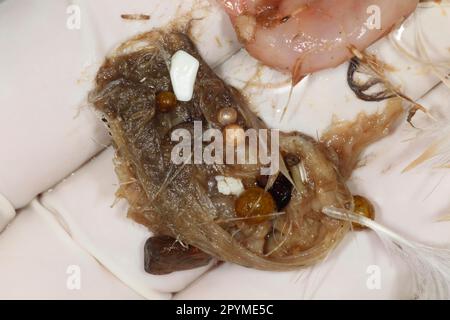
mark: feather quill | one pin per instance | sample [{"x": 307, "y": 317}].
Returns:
[
  {"x": 438, "y": 152},
  {"x": 430, "y": 266}
]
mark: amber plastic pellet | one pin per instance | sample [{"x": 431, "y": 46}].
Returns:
[
  {"x": 256, "y": 205},
  {"x": 364, "y": 208},
  {"x": 166, "y": 101}
]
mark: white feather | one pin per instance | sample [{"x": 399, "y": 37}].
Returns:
[
  {"x": 430, "y": 266},
  {"x": 437, "y": 134}
]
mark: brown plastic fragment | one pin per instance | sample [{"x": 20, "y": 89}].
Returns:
[{"x": 164, "y": 255}]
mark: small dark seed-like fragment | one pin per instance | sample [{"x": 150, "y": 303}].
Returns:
[
  {"x": 281, "y": 191},
  {"x": 164, "y": 255},
  {"x": 291, "y": 160},
  {"x": 262, "y": 181}
]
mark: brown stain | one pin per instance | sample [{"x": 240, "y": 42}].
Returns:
[
  {"x": 139, "y": 16},
  {"x": 218, "y": 41}
]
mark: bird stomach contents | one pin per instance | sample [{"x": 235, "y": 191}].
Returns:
[{"x": 263, "y": 221}]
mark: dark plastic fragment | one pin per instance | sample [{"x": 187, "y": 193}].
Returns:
[
  {"x": 164, "y": 255},
  {"x": 281, "y": 190}
]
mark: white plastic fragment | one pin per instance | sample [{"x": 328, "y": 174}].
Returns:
[
  {"x": 7, "y": 212},
  {"x": 183, "y": 72},
  {"x": 229, "y": 185}
]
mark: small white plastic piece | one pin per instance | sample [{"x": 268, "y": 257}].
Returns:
[
  {"x": 183, "y": 73},
  {"x": 7, "y": 212},
  {"x": 229, "y": 185}
]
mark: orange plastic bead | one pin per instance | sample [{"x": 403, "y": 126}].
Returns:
[
  {"x": 166, "y": 101},
  {"x": 256, "y": 204},
  {"x": 364, "y": 208}
]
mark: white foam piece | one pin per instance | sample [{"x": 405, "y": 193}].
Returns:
[{"x": 229, "y": 185}]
